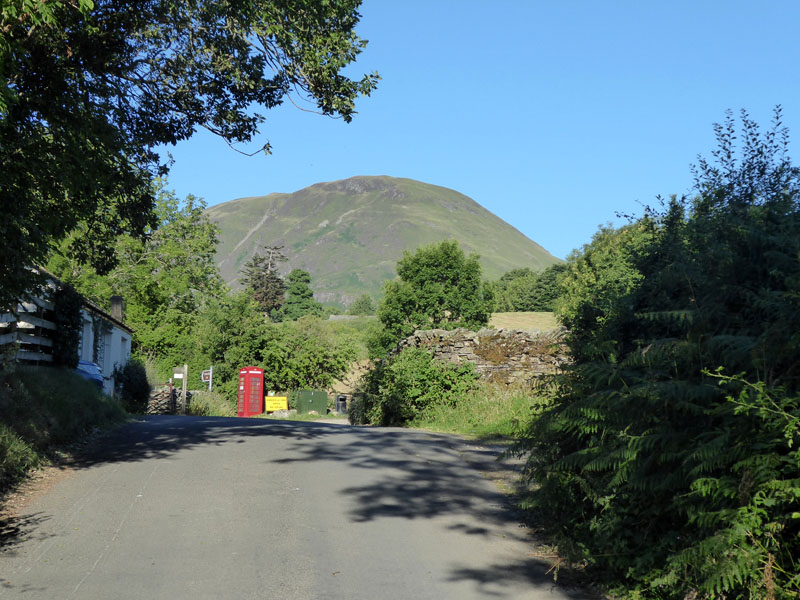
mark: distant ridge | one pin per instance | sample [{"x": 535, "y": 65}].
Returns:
[{"x": 349, "y": 234}]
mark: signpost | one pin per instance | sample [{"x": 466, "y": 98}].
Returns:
[
  {"x": 183, "y": 374},
  {"x": 208, "y": 375}
]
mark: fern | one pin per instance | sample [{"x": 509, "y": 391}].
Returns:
[{"x": 653, "y": 463}]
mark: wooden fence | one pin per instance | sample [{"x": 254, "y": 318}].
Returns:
[{"x": 32, "y": 329}]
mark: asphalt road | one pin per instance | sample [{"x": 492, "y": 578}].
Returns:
[{"x": 196, "y": 508}]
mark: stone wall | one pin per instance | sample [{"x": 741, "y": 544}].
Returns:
[
  {"x": 499, "y": 355},
  {"x": 161, "y": 401},
  {"x": 166, "y": 400}
]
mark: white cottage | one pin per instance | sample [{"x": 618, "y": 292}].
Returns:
[{"x": 104, "y": 337}]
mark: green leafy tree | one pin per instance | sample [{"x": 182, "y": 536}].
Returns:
[
  {"x": 231, "y": 334},
  {"x": 438, "y": 287},
  {"x": 598, "y": 280},
  {"x": 522, "y": 290},
  {"x": 363, "y": 305},
  {"x": 299, "y": 297},
  {"x": 165, "y": 280},
  {"x": 548, "y": 288},
  {"x": 520, "y": 294},
  {"x": 304, "y": 355},
  {"x": 668, "y": 456},
  {"x": 260, "y": 275},
  {"x": 89, "y": 90}
]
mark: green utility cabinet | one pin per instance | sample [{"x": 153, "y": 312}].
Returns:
[{"x": 308, "y": 400}]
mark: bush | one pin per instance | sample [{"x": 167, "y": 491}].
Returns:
[
  {"x": 17, "y": 457},
  {"x": 378, "y": 341},
  {"x": 406, "y": 385},
  {"x": 357, "y": 409},
  {"x": 132, "y": 386}
]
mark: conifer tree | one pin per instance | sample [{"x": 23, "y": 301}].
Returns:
[
  {"x": 260, "y": 275},
  {"x": 299, "y": 297}
]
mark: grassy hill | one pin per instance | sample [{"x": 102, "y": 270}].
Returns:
[{"x": 350, "y": 234}]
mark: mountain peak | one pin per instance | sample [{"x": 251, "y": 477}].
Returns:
[
  {"x": 349, "y": 234},
  {"x": 363, "y": 184}
]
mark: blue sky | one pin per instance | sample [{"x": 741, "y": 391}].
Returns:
[{"x": 553, "y": 115}]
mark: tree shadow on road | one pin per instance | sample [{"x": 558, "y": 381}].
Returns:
[
  {"x": 163, "y": 436},
  {"x": 413, "y": 475},
  {"x": 433, "y": 476},
  {"x": 16, "y": 529}
]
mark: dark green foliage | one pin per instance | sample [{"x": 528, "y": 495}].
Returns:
[
  {"x": 668, "y": 457},
  {"x": 405, "y": 385},
  {"x": 132, "y": 387},
  {"x": 181, "y": 312},
  {"x": 299, "y": 297},
  {"x": 548, "y": 289},
  {"x": 67, "y": 318},
  {"x": 438, "y": 287},
  {"x": 379, "y": 341},
  {"x": 362, "y": 306},
  {"x": 260, "y": 276},
  {"x": 165, "y": 280},
  {"x": 521, "y": 290},
  {"x": 232, "y": 334},
  {"x": 89, "y": 90}
]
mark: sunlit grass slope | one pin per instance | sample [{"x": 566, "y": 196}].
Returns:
[{"x": 524, "y": 321}]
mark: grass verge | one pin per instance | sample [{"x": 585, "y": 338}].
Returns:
[
  {"x": 43, "y": 409},
  {"x": 490, "y": 412},
  {"x": 211, "y": 404}
]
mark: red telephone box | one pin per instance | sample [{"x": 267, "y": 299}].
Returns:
[{"x": 251, "y": 392}]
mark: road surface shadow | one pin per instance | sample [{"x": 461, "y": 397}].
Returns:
[
  {"x": 431, "y": 475},
  {"x": 498, "y": 580},
  {"x": 16, "y": 529},
  {"x": 162, "y": 436},
  {"x": 422, "y": 476}
]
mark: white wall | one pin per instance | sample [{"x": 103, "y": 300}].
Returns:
[{"x": 114, "y": 349}]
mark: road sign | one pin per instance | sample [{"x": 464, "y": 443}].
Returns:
[
  {"x": 207, "y": 376},
  {"x": 273, "y": 403}
]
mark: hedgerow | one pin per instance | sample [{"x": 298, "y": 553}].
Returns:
[{"x": 668, "y": 456}]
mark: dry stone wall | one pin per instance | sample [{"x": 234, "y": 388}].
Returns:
[
  {"x": 499, "y": 355},
  {"x": 162, "y": 401},
  {"x": 166, "y": 400}
]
